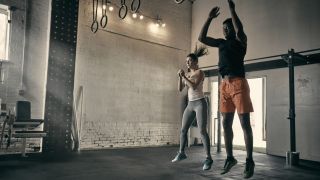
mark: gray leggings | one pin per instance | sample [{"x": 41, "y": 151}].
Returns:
[{"x": 198, "y": 109}]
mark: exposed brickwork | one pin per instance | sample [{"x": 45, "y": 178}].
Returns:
[{"x": 105, "y": 135}]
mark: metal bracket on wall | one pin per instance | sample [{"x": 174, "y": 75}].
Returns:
[{"x": 309, "y": 57}]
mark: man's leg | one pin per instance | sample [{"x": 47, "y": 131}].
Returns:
[
  {"x": 247, "y": 132},
  {"x": 228, "y": 132},
  {"x": 228, "y": 138},
  {"x": 227, "y": 107},
  {"x": 243, "y": 103},
  {"x": 248, "y": 138}
]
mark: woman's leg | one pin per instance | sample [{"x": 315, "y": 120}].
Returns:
[
  {"x": 187, "y": 118},
  {"x": 202, "y": 115}
]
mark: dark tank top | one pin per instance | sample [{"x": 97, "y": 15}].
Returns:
[{"x": 231, "y": 56}]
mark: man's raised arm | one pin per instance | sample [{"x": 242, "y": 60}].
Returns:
[
  {"x": 237, "y": 23},
  {"x": 203, "y": 37}
]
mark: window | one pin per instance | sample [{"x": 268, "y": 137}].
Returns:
[{"x": 4, "y": 32}]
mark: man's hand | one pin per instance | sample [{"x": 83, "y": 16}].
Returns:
[
  {"x": 231, "y": 4},
  {"x": 214, "y": 12}
]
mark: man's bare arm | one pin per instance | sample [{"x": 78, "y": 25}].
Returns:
[
  {"x": 237, "y": 23},
  {"x": 203, "y": 37}
]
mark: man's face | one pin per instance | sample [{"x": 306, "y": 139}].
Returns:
[{"x": 228, "y": 31}]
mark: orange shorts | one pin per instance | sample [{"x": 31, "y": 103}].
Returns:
[{"x": 235, "y": 94}]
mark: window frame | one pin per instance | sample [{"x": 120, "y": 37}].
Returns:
[{"x": 6, "y": 11}]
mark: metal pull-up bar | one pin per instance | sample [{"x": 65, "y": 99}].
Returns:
[{"x": 292, "y": 157}]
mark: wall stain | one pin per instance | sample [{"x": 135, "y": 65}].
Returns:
[{"x": 303, "y": 82}]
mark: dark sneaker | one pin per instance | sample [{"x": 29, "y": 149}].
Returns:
[
  {"x": 229, "y": 163},
  {"x": 179, "y": 157},
  {"x": 249, "y": 169},
  {"x": 207, "y": 164}
]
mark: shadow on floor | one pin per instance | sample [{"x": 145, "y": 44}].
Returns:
[{"x": 145, "y": 163}]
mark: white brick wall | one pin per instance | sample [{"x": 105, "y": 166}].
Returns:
[
  {"x": 102, "y": 134},
  {"x": 129, "y": 76}
]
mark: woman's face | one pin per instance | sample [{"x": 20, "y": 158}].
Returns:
[{"x": 191, "y": 64}]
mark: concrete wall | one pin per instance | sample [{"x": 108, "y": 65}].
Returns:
[
  {"x": 128, "y": 72},
  {"x": 36, "y": 59},
  {"x": 28, "y": 59},
  {"x": 26, "y": 69},
  {"x": 36, "y": 55},
  {"x": 13, "y": 69},
  {"x": 307, "y": 95},
  {"x": 272, "y": 28}
]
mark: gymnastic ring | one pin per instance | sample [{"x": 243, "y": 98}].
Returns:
[
  {"x": 94, "y": 26},
  {"x": 178, "y": 1},
  {"x": 132, "y": 6},
  {"x": 103, "y": 25},
  {"x": 123, "y": 6}
]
